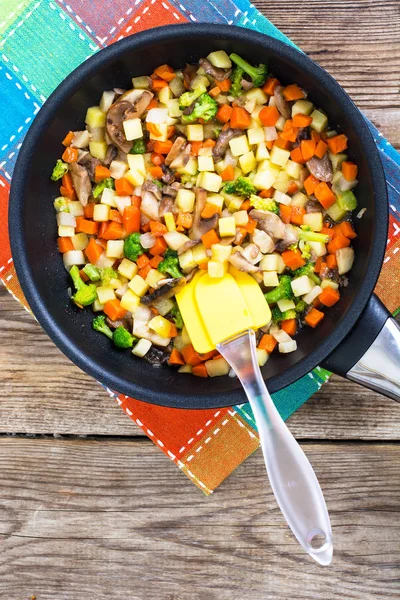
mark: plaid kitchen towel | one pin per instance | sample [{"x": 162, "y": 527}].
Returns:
[{"x": 41, "y": 41}]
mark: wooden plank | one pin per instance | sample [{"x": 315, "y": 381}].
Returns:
[
  {"x": 44, "y": 393},
  {"x": 117, "y": 520}
]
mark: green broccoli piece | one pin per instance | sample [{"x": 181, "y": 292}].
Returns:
[
  {"x": 139, "y": 147},
  {"x": 177, "y": 317},
  {"x": 60, "y": 168},
  {"x": 258, "y": 74},
  {"x": 158, "y": 183},
  {"x": 305, "y": 250},
  {"x": 307, "y": 235},
  {"x": 205, "y": 108},
  {"x": 188, "y": 181},
  {"x": 282, "y": 291},
  {"x": 278, "y": 315},
  {"x": 61, "y": 204},
  {"x": 301, "y": 306},
  {"x": 122, "y": 338},
  {"x": 99, "y": 324},
  {"x": 132, "y": 246},
  {"x": 187, "y": 98},
  {"x": 264, "y": 204},
  {"x": 308, "y": 270},
  {"x": 100, "y": 187},
  {"x": 92, "y": 272},
  {"x": 236, "y": 82},
  {"x": 106, "y": 275},
  {"x": 85, "y": 293},
  {"x": 170, "y": 264},
  {"x": 241, "y": 187}
]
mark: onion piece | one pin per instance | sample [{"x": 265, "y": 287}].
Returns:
[
  {"x": 142, "y": 348},
  {"x": 147, "y": 240},
  {"x": 281, "y": 336},
  {"x": 73, "y": 257},
  {"x": 286, "y": 347},
  {"x": 157, "y": 115},
  {"x": 149, "y": 206},
  {"x": 361, "y": 213},
  {"x": 65, "y": 218},
  {"x": 270, "y": 134},
  {"x": 143, "y": 314}
]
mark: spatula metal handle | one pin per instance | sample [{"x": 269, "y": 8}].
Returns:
[{"x": 292, "y": 478}]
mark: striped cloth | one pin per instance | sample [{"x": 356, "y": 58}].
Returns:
[{"x": 41, "y": 41}]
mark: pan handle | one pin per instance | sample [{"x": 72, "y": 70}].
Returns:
[{"x": 370, "y": 354}]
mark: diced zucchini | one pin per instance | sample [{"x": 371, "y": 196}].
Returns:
[
  {"x": 347, "y": 200},
  {"x": 319, "y": 121},
  {"x": 336, "y": 212},
  {"x": 141, "y": 83},
  {"x": 220, "y": 59},
  {"x": 303, "y": 107},
  {"x": 336, "y": 160}
]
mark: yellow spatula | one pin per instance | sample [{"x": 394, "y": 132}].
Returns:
[{"x": 223, "y": 313}]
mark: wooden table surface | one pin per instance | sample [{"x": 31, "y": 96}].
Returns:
[{"x": 89, "y": 508}]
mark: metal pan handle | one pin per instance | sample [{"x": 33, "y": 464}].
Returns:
[{"x": 370, "y": 354}]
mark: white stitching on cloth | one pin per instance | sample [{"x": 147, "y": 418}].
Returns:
[{"x": 20, "y": 22}]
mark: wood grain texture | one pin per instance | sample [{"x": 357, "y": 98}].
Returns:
[{"x": 87, "y": 520}]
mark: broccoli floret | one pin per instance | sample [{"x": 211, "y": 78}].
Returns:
[
  {"x": 122, "y": 338},
  {"x": 307, "y": 235},
  {"x": 92, "y": 272},
  {"x": 61, "y": 204},
  {"x": 301, "y": 306},
  {"x": 242, "y": 187},
  {"x": 278, "y": 315},
  {"x": 177, "y": 317},
  {"x": 100, "y": 187},
  {"x": 205, "y": 108},
  {"x": 187, "y": 98},
  {"x": 106, "y": 275},
  {"x": 305, "y": 250},
  {"x": 188, "y": 181},
  {"x": 264, "y": 204},
  {"x": 282, "y": 291},
  {"x": 258, "y": 74},
  {"x": 60, "y": 168},
  {"x": 308, "y": 270},
  {"x": 236, "y": 79},
  {"x": 85, "y": 293},
  {"x": 132, "y": 246},
  {"x": 170, "y": 264},
  {"x": 139, "y": 147},
  {"x": 99, "y": 324}
]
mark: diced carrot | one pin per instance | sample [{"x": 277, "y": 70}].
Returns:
[
  {"x": 200, "y": 370},
  {"x": 289, "y": 132},
  {"x": 175, "y": 358},
  {"x": 88, "y": 210},
  {"x": 297, "y": 156},
  {"x": 157, "y": 159},
  {"x": 185, "y": 220},
  {"x": 209, "y": 355},
  {"x": 337, "y": 144},
  {"x": 155, "y": 172},
  {"x": 142, "y": 261},
  {"x": 165, "y": 72},
  {"x": 159, "y": 247},
  {"x": 331, "y": 261},
  {"x": 68, "y": 138},
  {"x": 324, "y": 194},
  {"x": 131, "y": 219},
  {"x": 101, "y": 173},
  {"x": 67, "y": 182},
  {"x": 293, "y": 92},
  {"x": 300, "y": 120},
  {"x": 195, "y": 147},
  {"x": 240, "y": 118},
  {"x": 225, "y": 126},
  {"x": 224, "y": 113},
  {"x": 225, "y": 85},
  {"x": 159, "y": 84},
  {"x": 114, "y": 310},
  {"x": 270, "y": 85},
  {"x": 158, "y": 228},
  {"x": 203, "y": 266},
  {"x": 328, "y": 231},
  {"x": 152, "y": 128},
  {"x": 100, "y": 233},
  {"x": 123, "y": 187},
  {"x": 228, "y": 174},
  {"x": 313, "y": 317},
  {"x": 214, "y": 92},
  {"x": 340, "y": 241},
  {"x": 349, "y": 170},
  {"x": 190, "y": 356},
  {"x": 162, "y": 147},
  {"x": 83, "y": 276},
  {"x": 269, "y": 144},
  {"x": 114, "y": 231},
  {"x": 307, "y": 149},
  {"x": 310, "y": 183},
  {"x": 297, "y": 215},
  {"x": 153, "y": 104},
  {"x": 209, "y": 143},
  {"x": 266, "y": 193},
  {"x": 251, "y": 225},
  {"x": 155, "y": 261},
  {"x": 93, "y": 251},
  {"x": 115, "y": 215},
  {"x": 209, "y": 211},
  {"x": 293, "y": 188},
  {"x": 70, "y": 155},
  {"x": 315, "y": 136},
  {"x": 86, "y": 226},
  {"x": 64, "y": 244},
  {"x": 281, "y": 143},
  {"x": 293, "y": 259},
  {"x": 268, "y": 116},
  {"x": 329, "y": 296},
  {"x": 210, "y": 238},
  {"x": 267, "y": 342},
  {"x": 285, "y": 213},
  {"x": 346, "y": 229},
  {"x": 136, "y": 201},
  {"x": 321, "y": 149},
  {"x": 245, "y": 205},
  {"x": 144, "y": 271},
  {"x": 170, "y": 131},
  {"x": 173, "y": 332},
  {"x": 318, "y": 263},
  {"x": 290, "y": 326}
]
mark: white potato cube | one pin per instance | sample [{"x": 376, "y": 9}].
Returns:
[
  {"x": 227, "y": 226},
  {"x": 142, "y": 348},
  {"x": 107, "y": 99},
  {"x": 239, "y": 145},
  {"x": 134, "y": 177},
  {"x": 98, "y": 149},
  {"x": 136, "y": 163},
  {"x": 173, "y": 108},
  {"x": 262, "y": 152},
  {"x": 270, "y": 278},
  {"x": 280, "y": 124},
  {"x": 169, "y": 221},
  {"x": 80, "y": 241},
  {"x": 118, "y": 168},
  {"x": 162, "y": 136},
  {"x": 105, "y": 293},
  {"x": 186, "y": 261},
  {"x": 133, "y": 129},
  {"x": 314, "y": 293},
  {"x": 313, "y": 220},
  {"x": 195, "y": 133},
  {"x": 153, "y": 277},
  {"x": 299, "y": 199},
  {"x": 138, "y": 285},
  {"x": 302, "y": 285},
  {"x": 97, "y": 306},
  {"x": 73, "y": 257},
  {"x": 65, "y": 230},
  {"x": 217, "y": 269},
  {"x": 220, "y": 59},
  {"x": 262, "y": 356},
  {"x": 205, "y": 151},
  {"x": 206, "y": 163},
  {"x": 76, "y": 208},
  {"x": 318, "y": 248},
  {"x": 303, "y": 107},
  {"x": 122, "y": 202},
  {"x": 248, "y": 162},
  {"x": 216, "y": 200},
  {"x": 217, "y": 367},
  {"x": 127, "y": 268},
  {"x": 190, "y": 168},
  {"x": 285, "y": 304},
  {"x": 130, "y": 301},
  {"x": 115, "y": 249},
  {"x": 95, "y": 117},
  {"x": 282, "y": 198},
  {"x": 210, "y": 181},
  {"x": 185, "y": 200},
  {"x": 273, "y": 262},
  {"x": 157, "y": 115},
  {"x": 175, "y": 239},
  {"x": 256, "y": 94},
  {"x": 241, "y": 218},
  {"x": 319, "y": 121},
  {"x": 220, "y": 253},
  {"x": 108, "y": 197},
  {"x": 293, "y": 169},
  {"x": 101, "y": 212},
  {"x": 165, "y": 95},
  {"x": 199, "y": 254},
  {"x": 286, "y": 347},
  {"x": 278, "y": 156},
  {"x": 263, "y": 180},
  {"x": 255, "y": 135}
]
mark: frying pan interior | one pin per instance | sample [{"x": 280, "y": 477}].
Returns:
[{"x": 33, "y": 224}]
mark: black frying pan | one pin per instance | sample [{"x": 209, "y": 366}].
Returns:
[{"x": 359, "y": 315}]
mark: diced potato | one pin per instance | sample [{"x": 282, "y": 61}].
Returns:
[
  {"x": 118, "y": 168},
  {"x": 217, "y": 367},
  {"x": 270, "y": 278},
  {"x": 185, "y": 200},
  {"x": 175, "y": 239},
  {"x": 282, "y": 186},
  {"x": 263, "y": 241},
  {"x": 234, "y": 203},
  {"x": 205, "y": 152},
  {"x": 80, "y": 241},
  {"x": 169, "y": 221},
  {"x": 185, "y": 369},
  {"x": 103, "y": 262},
  {"x": 262, "y": 152},
  {"x": 127, "y": 268},
  {"x": 319, "y": 121},
  {"x": 278, "y": 156},
  {"x": 282, "y": 198},
  {"x": 142, "y": 348},
  {"x": 285, "y": 304},
  {"x": 198, "y": 81},
  {"x": 107, "y": 99},
  {"x": 105, "y": 293},
  {"x": 130, "y": 301},
  {"x": 220, "y": 253},
  {"x": 248, "y": 253},
  {"x": 173, "y": 108},
  {"x": 190, "y": 168},
  {"x": 314, "y": 293},
  {"x": 136, "y": 163},
  {"x": 248, "y": 162},
  {"x": 153, "y": 277},
  {"x": 227, "y": 226},
  {"x": 293, "y": 169},
  {"x": 336, "y": 212},
  {"x": 262, "y": 356},
  {"x": 161, "y": 326},
  {"x": 313, "y": 220},
  {"x": 216, "y": 200},
  {"x": 255, "y": 119},
  {"x": 185, "y": 337},
  {"x": 108, "y": 197},
  {"x": 101, "y": 212},
  {"x": 263, "y": 180},
  {"x": 328, "y": 283},
  {"x": 163, "y": 135},
  {"x": 73, "y": 257},
  {"x": 165, "y": 95},
  {"x": 199, "y": 254},
  {"x": 345, "y": 259},
  {"x": 97, "y": 306},
  {"x": 65, "y": 230},
  {"x": 255, "y": 135},
  {"x": 76, "y": 209},
  {"x": 299, "y": 199},
  {"x": 186, "y": 261},
  {"x": 157, "y": 115},
  {"x": 280, "y": 124},
  {"x": 337, "y": 159},
  {"x": 134, "y": 177},
  {"x": 115, "y": 249},
  {"x": 95, "y": 117},
  {"x": 98, "y": 149},
  {"x": 286, "y": 347},
  {"x": 138, "y": 285},
  {"x": 272, "y": 262},
  {"x": 302, "y": 285},
  {"x": 241, "y": 218},
  {"x": 210, "y": 181},
  {"x": 256, "y": 94},
  {"x": 122, "y": 202},
  {"x": 319, "y": 248},
  {"x": 303, "y": 107},
  {"x": 195, "y": 133},
  {"x": 163, "y": 305},
  {"x": 206, "y": 163},
  {"x": 239, "y": 145},
  {"x": 217, "y": 269},
  {"x": 220, "y": 59},
  {"x": 66, "y": 219},
  {"x": 133, "y": 129}
]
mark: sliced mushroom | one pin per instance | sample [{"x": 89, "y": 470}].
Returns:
[
  {"x": 81, "y": 139},
  {"x": 166, "y": 206},
  {"x": 182, "y": 159},
  {"x": 140, "y": 104},
  {"x": 149, "y": 206},
  {"x": 215, "y": 72},
  {"x": 321, "y": 168},
  {"x": 242, "y": 264},
  {"x": 150, "y": 186},
  {"x": 115, "y": 117},
  {"x": 312, "y": 206},
  {"x": 201, "y": 226},
  {"x": 157, "y": 356},
  {"x": 291, "y": 237},
  {"x": 169, "y": 190},
  {"x": 223, "y": 141},
  {"x": 281, "y": 104},
  {"x": 187, "y": 245},
  {"x": 169, "y": 288},
  {"x": 269, "y": 222},
  {"x": 176, "y": 149},
  {"x": 304, "y": 134},
  {"x": 189, "y": 73},
  {"x": 111, "y": 155},
  {"x": 227, "y": 241},
  {"x": 126, "y": 322},
  {"x": 246, "y": 85},
  {"x": 167, "y": 176},
  {"x": 81, "y": 181},
  {"x": 89, "y": 163}
]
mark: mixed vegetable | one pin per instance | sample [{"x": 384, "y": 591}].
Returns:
[{"x": 213, "y": 165}]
